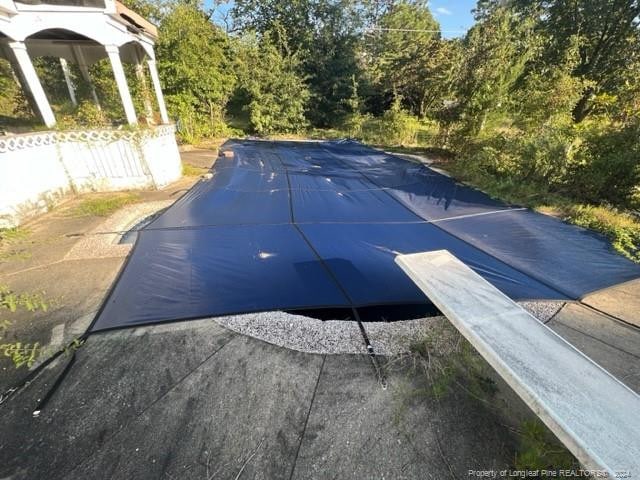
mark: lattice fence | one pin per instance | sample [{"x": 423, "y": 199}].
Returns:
[{"x": 37, "y": 139}]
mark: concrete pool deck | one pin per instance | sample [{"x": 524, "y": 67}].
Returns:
[
  {"x": 201, "y": 400},
  {"x": 137, "y": 406}
]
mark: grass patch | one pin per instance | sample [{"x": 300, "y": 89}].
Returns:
[
  {"x": 9, "y": 235},
  {"x": 8, "y": 238},
  {"x": 193, "y": 171},
  {"x": 104, "y": 206},
  {"x": 15, "y": 255},
  {"x": 21, "y": 354}
]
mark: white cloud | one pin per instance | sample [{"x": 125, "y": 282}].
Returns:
[{"x": 444, "y": 11}]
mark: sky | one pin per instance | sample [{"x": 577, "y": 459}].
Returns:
[{"x": 455, "y": 16}]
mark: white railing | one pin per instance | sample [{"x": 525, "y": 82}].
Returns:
[{"x": 38, "y": 169}]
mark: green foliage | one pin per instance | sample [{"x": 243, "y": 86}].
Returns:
[
  {"x": 12, "y": 234},
  {"x": 14, "y": 108},
  {"x": 538, "y": 117},
  {"x": 11, "y": 301},
  {"x": 354, "y": 125},
  {"x": 496, "y": 51},
  {"x": 410, "y": 60},
  {"x": 50, "y": 75},
  {"x": 275, "y": 95},
  {"x": 608, "y": 42},
  {"x": 623, "y": 230},
  {"x": 8, "y": 238},
  {"x": 106, "y": 89},
  {"x": 395, "y": 128},
  {"x": 89, "y": 115},
  {"x": 607, "y": 164},
  {"x": 85, "y": 115},
  {"x": 21, "y": 354},
  {"x": 7, "y": 84},
  {"x": 399, "y": 127},
  {"x": 15, "y": 255},
  {"x": 194, "y": 64},
  {"x": 322, "y": 35}
]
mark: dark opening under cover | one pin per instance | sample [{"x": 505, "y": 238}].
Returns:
[{"x": 313, "y": 225}]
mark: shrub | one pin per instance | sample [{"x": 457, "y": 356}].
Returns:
[
  {"x": 276, "y": 95},
  {"x": 192, "y": 124},
  {"x": 88, "y": 114},
  {"x": 607, "y": 166},
  {"x": 355, "y": 123},
  {"x": 399, "y": 127}
]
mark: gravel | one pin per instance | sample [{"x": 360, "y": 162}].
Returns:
[
  {"x": 310, "y": 335},
  {"x": 298, "y": 332}
]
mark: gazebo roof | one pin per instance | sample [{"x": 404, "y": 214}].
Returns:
[
  {"x": 81, "y": 32},
  {"x": 107, "y": 22}
]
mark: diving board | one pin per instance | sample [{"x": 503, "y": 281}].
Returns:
[{"x": 589, "y": 410}]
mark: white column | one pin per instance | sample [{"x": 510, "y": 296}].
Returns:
[
  {"x": 148, "y": 109},
  {"x": 67, "y": 80},
  {"x": 33, "y": 83},
  {"x": 84, "y": 70},
  {"x": 156, "y": 86},
  {"x": 121, "y": 80}
]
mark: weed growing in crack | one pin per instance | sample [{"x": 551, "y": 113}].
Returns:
[{"x": 20, "y": 353}]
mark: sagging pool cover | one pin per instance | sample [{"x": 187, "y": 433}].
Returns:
[{"x": 312, "y": 225}]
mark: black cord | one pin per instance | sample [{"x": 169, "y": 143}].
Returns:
[{"x": 55, "y": 386}]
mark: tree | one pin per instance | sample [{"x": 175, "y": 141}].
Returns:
[
  {"x": 607, "y": 35},
  {"x": 323, "y": 35},
  {"x": 405, "y": 53},
  {"x": 275, "y": 96},
  {"x": 496, "y": 52},
  {"x": 195, "y": 68},
  {"x": 294, "y": 19}
]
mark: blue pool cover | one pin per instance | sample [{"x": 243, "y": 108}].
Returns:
[{"x": 316, "y": 225}]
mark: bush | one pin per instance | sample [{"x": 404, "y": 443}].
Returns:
[
  {"x": 192, "y": 123},
  {"x": 354, "y": 124},
  {"x": 399, "y": 127},
  {"x": 88, "y": 114},
  {"x": 540, "y": 155},
  {"x": 275, "y": 94},
  {"x": 195, "y": 68},
  {"x": 607, "y": 166}
]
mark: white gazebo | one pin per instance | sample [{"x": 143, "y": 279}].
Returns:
[
  {"x": 82, "y": 32},
  {"x": 39, "y": 168}
]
